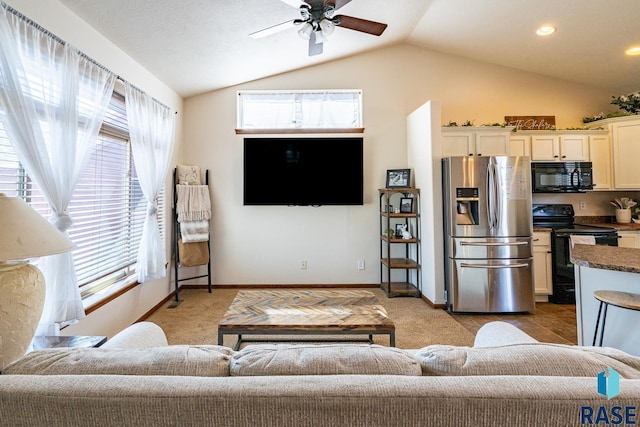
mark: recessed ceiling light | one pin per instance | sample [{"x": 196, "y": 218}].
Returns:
[
  {"x": 546, "y": 30},
  {"x": 633, "y": 50}
]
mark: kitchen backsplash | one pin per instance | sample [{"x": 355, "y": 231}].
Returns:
[{"x": 592, "y": 204}]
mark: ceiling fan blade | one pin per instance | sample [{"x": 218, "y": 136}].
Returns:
[
  {"x": 272, "y": 30},
  {"x": 314, "y": 48},
  {"x": 358, "y": 24},
  {"x": 338, "y": 3}
]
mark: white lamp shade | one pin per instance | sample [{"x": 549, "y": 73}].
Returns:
[{"x": 24, "y": 233}]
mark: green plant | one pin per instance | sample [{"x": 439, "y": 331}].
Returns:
[
  {"x": 629, "y": 103},
  {"x": 623, "y": 203}
]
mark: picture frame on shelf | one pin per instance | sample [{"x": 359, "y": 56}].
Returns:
[
  {"x": 398, "y": 178},
  {"x": 406, "y": 205},
  {"x": 399, "y": 231},
  {"x": 389, "y": 209}
]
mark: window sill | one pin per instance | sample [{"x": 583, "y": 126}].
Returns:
[
  {"x": 297, "y": 131},
  {"x": 99, "y": 299}
]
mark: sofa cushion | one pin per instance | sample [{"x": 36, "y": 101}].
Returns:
[
  {"x": 200, "y": 360},
  {"x": 526, "y": 359},
  {"x": 321, "y": 359}
]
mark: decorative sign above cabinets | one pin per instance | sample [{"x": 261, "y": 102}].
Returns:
[{"x": 531, "y": 122}]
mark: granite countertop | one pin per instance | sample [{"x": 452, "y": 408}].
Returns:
[
  {"x": 542, "y": 229},
  {"x": 631, "y": 226},
  {"x": 607, "y": 257}
]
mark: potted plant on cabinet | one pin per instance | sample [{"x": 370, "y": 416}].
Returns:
[{"x": 623, "y": 207}]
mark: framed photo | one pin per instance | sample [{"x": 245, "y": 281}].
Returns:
[
  {"x": 398, "y": 178},
  {"x": 399, "y": 231},
  {"x": 406, "y": 205}
]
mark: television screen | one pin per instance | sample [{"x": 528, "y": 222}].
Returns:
[{"x": 303, "y": 171}]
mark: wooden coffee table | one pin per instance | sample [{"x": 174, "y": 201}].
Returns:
[{"x": 305, "y": 312}]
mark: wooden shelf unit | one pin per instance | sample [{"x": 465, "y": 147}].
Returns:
[{"x": 399, "y": 257}]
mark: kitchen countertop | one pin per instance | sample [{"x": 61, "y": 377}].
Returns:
[
  {"x": 631, "y": 226},
  {"x": 607, "y": 257},
  {"x": 542, "y": 229}
]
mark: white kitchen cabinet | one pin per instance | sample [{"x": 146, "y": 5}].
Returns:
[
  {"x": 476, "y": 141},
  {"x": 542, "y": 264},
  {"x": 559, "y": 146},
  {"x": 519, "y": 145},
  {"x": 600, "y": 153},
  {"x": 628, "y": 239},
  {"x": 625, "y": 140},
  {"x": 624, "y": 134}
]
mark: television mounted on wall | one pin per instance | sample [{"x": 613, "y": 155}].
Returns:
[{"x": 311, "y": 171}]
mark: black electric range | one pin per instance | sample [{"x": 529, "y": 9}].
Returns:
[{"x": 561, "y": 219}]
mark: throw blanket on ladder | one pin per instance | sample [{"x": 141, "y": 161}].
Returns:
[{"x": 193, "y": 207}]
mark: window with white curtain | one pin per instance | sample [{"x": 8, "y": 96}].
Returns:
[
  {"x": 107, "y": 207},
  {"x": 319, "y": 110}
]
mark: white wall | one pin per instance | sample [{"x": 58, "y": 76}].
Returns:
[
  {"x": 57, "y": 19},
  {"x": 264, "y": 245}
]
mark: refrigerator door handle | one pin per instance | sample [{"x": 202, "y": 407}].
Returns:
[
  {"x": 494, "y": 243},
  {"x": 493, "y": 267},
  {"x": 492, "y": 193}
]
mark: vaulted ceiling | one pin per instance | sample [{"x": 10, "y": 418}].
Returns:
[{"x": 195, "y": 46}]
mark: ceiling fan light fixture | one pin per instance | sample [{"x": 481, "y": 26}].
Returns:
[
  {"x": 327, "y": 27},
  {"x": 320, "y": 37},
  {"x": 305, "y": 31}
]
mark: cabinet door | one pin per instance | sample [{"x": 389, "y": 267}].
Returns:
[
  {"x": 519, "y": 145},
  {"x": 458, "y": 144},
  {"x": 625, "y": 139},
  {"x": 545, "y": 148},
  {"x": 600, "y": 154},
  {"x": 542, "y": 263},
  {"x": 574, "y": 148},
  {"x": 628, "y": 239},
  {"x": 492, "y": 144}
]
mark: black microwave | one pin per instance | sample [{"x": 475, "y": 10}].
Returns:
[{"x": 561, "y": 177}]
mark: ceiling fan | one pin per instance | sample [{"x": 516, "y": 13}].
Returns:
[{"x": 317, "y": 21}]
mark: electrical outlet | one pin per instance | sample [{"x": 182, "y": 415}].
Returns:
[
  {"x": 583, "y": 205},
  {"x": 303, "y": 264},
  {"x": 360, "y": 264}
]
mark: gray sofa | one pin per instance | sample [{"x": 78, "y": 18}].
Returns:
[{"x": 507, "y": 378}]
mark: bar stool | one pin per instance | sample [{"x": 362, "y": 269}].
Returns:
[{"x": 624, "y": 300}]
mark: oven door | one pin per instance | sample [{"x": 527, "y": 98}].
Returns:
[{"x": 562, "y": 268}]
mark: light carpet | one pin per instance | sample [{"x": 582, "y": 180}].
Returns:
[{"x": 195, "y": 320}]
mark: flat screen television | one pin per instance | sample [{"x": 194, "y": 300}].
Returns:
[{"x": 303, "y": 171}]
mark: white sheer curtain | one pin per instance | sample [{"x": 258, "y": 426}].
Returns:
[
  {"x": 151, "y": 129},
  {"x": 52, "y": 103}
]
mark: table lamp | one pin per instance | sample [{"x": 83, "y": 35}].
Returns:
[{"x": 24, "y": 234}]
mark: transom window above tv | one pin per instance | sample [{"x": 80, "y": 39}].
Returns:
[{"x": 300, "y": 111}]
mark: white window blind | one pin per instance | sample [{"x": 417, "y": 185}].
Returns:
[
  {"x": 107, "y": 207},
  {"x": 305, "y": 109}
]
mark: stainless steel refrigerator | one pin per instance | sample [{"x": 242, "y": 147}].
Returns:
[{"x": 488, "y": 232}]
